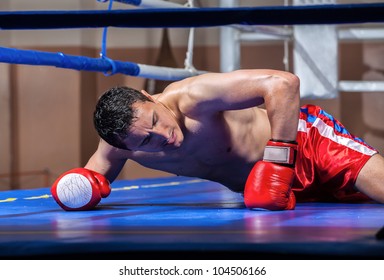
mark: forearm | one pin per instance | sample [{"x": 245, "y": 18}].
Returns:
[
  {"x": 282, "y": 103},
  {"x": 105, "y": 166},
  {"x": 108, "y": 170}
]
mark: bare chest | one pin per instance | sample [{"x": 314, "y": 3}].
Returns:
[{"x": 222, "y": 149}]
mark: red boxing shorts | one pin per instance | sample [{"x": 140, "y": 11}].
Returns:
[{"x": 329, "y": 158}]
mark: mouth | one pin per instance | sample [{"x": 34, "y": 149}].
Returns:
[
  {"x": 172, "y": 141},
  {"x": 172, "y": 138}
]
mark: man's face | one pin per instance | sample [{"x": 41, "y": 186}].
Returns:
[{"x": 155, "y": 129}]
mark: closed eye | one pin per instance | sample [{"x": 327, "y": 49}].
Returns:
[
  {"x": 148, "y": 138},
  {"x": 154, "y": 119}
]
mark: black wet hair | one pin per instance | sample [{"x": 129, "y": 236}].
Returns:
[{"x": 114, "y": 114}]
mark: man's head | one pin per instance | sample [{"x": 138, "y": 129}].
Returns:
[
  {"x": 115, "y": 113},
  {"x": 131, "y": 120}
]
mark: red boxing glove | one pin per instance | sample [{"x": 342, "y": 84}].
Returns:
[
  {"x": 269, "y": 184},
  {"x": 80, "y": 189}
]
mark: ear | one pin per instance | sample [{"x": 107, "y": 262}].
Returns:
[{"x": 147, "y": 95}]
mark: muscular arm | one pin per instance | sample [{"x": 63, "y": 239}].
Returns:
[
  {"x": 215, "y": 92},
  {"x": 107, "y": 161}
]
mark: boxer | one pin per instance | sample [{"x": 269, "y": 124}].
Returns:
[{"x": 244, "y": 129}]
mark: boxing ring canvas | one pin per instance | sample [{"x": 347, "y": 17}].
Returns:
[{"x": 182, "y": 218}]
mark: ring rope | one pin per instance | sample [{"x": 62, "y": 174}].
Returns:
[
  {"x": 81, "y": 63},
  {"x": 208, "y": 17},
  {"x": 104, "y": 64},
  {"x": 148, "y": 3},
  {"x": 32, "y": 57},
  {"x": 173, "y": 17}
]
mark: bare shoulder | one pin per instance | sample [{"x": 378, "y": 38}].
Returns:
[
  {"x": 187, "y": 95},
  {"x": 176, "y": 96},
  {"x": 210, "y": 93}
]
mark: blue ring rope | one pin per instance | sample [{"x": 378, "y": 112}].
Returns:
[
  {"x": 61, "y": 60},
  {"x": 104, "y": 64},
  {"x": 207, "y": 17}
]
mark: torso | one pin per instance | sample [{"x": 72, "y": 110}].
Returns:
[{"x": 222, "y": 148}]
